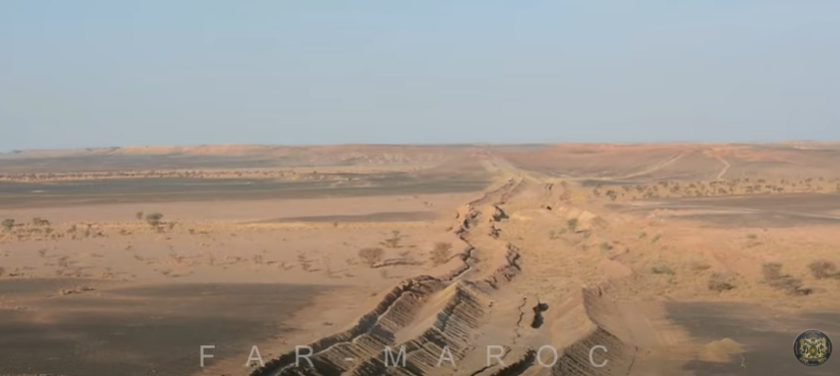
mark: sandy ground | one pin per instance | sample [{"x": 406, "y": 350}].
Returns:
[{"x": 678, "y": 284}]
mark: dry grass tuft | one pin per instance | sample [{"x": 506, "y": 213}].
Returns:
[
  {"x": 720, "y": 282},
  {"x": 772, "y": 273},
  {"x": 441, "y": 253},
  {"x": 823, "y": 269},
  {"x": 662, "y": 269}
]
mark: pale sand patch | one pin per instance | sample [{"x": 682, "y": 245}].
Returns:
[{"x": 720, "y": 351}]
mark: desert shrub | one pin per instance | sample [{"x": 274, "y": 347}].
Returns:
[
  {"x": 394, "y": 240},
  {"x": 655, "y": 238},
  {"x": 752, "y": 236},
  {"x": 772, "y": 273},
  {"x": 661, "y": 269},
  {"x": 154, "y": 219},
  {"x": 554, "y": 234},
  {"x": 304, "y": 262},
  {"x": 605, "y": 247},
  {"x": 139, "y": 215},
  {"x": 720, "y": 282},
  {"x": 572, "y": 224},
  {"x": 822, "y": 269},
  {"x": 699, "y": 266},
  {"x": 371, "y": 256},
  {"x": 38, "y": 221},
  {"x": 642, "y": 235},
  {"x": 441, "y": 253},
  {"x": 8, "y": 223}
]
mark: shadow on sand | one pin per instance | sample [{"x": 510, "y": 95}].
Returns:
[
  {"x": 143, "y": 331},
  {"x": 767, "y": 337}
]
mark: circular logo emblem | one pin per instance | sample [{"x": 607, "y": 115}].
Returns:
[{"x": 812, "y": 348}]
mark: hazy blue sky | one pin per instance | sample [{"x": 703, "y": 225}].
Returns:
[{"x": 109, "y": 73}]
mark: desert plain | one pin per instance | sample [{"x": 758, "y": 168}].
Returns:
[{"x": 675, "y": 259}]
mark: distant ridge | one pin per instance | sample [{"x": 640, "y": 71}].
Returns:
[{"x": 279, "y": 149}]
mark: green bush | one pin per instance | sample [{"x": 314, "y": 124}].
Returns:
[
  {"x": 38, "y": 221},
  {"x": 154, "y": 219},
  {"x": 661, "y": 269},
  {"x": 8, "y": 224}
]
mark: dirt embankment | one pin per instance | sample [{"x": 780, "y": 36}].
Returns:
[
  {"x": 429, "y": 315},
  {"x": 455, "y": 304}
]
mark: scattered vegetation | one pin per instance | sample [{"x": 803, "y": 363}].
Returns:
[
  {"x": 740, "y": 186},
  {"x": 371, "y": 256},
  {"x": 752, "y": 236},
  {"x": 605, "y": 247},
  {"x": 40, "y": 222},
  {"x": 555, "y": 234},
  {"x": 642, "y": 235},
  {"x": 720, "y": 282},
  {"x": 304, "y": 262},
  {"x": 8, "y": 224},
  {"x": 441, "y": 253},
  {"x": 154, "y": 219},
  {"x": 772, "y": 273},
  {"x": 394, "y": 240},
  {"x": 662, "y": 269},
  {"x": 655, "y": 238},
  {"x": 572, "y": 224},
  {"x": 700, "y": 266},
  {"x": 139, "y": 215},
  {"x": 77, "y": 290},
  {"x": 823, "y": 269}
]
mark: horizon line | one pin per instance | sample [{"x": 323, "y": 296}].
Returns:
[{"x": 674, "y": 142}]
